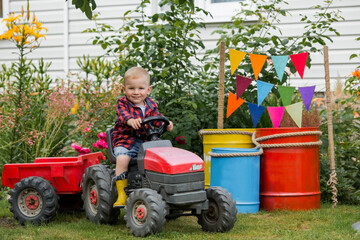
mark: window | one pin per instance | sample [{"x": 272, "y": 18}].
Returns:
[
  {"x": 4, "y": 12},
  {"x": 221, "y": 10},
  {"x": 221, "y": 1}
]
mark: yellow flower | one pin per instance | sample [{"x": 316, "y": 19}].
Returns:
[
  {"x": 356, "y": 73},
  {"x": 356, "y": 115},
  {"x": 87, "y": 105},
  {"x": 7, "y": 35},
  {"x": 319, "y": 101},
  {"x": 12, "y": 18},
  {"x": 73, "y": 110}
]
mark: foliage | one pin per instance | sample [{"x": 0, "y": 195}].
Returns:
[
  {"x": 346, "y": 125},
  {"x": 86, "y": 6},
  {"x": 255, "y": 30},
  {"x": 166, "y": 45}
]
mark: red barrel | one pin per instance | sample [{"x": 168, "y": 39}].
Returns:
[{"x": 289, "y": 176}]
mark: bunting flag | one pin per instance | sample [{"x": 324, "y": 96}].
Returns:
[
  {"x": 233, "y": 104},
  {"x": 286, "y": 94},
  {"x": 307, "y": 94},
  {"x": 299, "y": 61},
  {"x": 263, "y": 89},
  {"x": 280, "y": 65},
  {"x": 242, "y": 83},
  {"x": 257, "y": 62},
  {"x": 295, "y": 112},
  {"x": 255, "y": 112},
  {"x": 235, "y": 59},
  {"x": 276, "y": 114}
]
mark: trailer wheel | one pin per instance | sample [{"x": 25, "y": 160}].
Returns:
[
  {"x": 97, "y": 195},
  {"x": 221, "y": 215},
  {"x": 34, "y": 200},
  {"x": 144, "y": 212}
]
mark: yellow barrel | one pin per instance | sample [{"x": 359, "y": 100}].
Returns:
[{"x": 223, "y": 138}]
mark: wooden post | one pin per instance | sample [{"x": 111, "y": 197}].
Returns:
[
  {"x": 221, "y": 86},
  {"x": 333, "y": 180}
]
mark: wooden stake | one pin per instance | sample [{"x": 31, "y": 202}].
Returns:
[
  {"x": 333, "y": 180},
  {"x": 221, "y": 86}
]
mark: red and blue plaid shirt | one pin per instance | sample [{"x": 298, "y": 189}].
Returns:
[{"x": 125, "y": 110}]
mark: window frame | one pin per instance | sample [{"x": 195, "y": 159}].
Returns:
[
  {"x": 5, "y": 13},
  {"x": 221, "y": 12}
]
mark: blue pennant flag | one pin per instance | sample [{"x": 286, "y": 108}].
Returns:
[
  {"x": 280, "y": 65},
  {"x": 255, "y": 112},
  {"x": 263, "y": 89}
]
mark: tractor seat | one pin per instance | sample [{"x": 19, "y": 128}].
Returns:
[{"x": 112, "y": 157}]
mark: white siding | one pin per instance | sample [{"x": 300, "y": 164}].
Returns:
[{"x": 51, "y": 13}]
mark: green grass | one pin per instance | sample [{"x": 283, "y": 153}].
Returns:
[{"x": 326, "y": 223}]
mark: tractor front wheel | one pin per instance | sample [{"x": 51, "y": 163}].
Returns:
[
  {"x": 33, "y": 199},
  {"x": 97, "y": 195},
  {"x": 221, "y": 215},
  {"x": 145, "y": 212}
]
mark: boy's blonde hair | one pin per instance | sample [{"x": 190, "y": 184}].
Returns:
[{"x": 136, "y": 72}]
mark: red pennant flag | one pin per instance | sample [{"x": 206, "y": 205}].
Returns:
[
  {"x": 242, "y": 84},
  {"x": 233, "y": 104},
  {"x": 257, "y": 62},
  {"x": 299, "y": 61}
]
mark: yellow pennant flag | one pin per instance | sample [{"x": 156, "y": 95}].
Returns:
[
  {"x": 235, "y": 59},
  {"x": 257, "y": 62}
]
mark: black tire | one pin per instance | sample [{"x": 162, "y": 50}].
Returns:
[
  {"x": 34, "y": 200},
  {"x": 145, "y": 212},
  {"x": 98, "y": 196},
  {"x": 221, "y": 215}
]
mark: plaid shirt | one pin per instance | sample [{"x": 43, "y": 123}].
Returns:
[{"x": 126, "y": 110}]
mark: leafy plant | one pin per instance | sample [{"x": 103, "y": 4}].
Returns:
[{"x": 262, "y": 35}]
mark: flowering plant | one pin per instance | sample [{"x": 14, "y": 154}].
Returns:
[{"x": 101, "y": 143}]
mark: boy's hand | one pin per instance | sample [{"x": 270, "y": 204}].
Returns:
[
  {"x": 134, "y": 123},
  {"x": 170, "y": 126}
]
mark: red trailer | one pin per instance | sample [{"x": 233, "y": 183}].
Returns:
[{"x": 36, "y": 187}]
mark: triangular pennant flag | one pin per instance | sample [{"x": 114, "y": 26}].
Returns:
[
  {"x": 307, "y": 94},
  {"x": 299, "y": 61},
  {"x": 295, "y": 112},
  {"x": 233, "y": 104},
  {"x": 280, "y": 64},
  {"x": 276, "y": 114},
  {"x": 263, "y": 89},
  {"x": 255, "y": 112},
  {"x": 286, "y": 94},
  {"x": 257, "y": 62},
  {"x": 235, "y": 59},
  {"x": 242, "y": 84}
]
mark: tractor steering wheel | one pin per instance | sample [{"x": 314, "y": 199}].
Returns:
[{"x": 151, "y": 132}]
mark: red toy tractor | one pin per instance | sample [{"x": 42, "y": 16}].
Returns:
[
  {"x": 39, "y": 188},
  {"x": 164, "y": 182}
]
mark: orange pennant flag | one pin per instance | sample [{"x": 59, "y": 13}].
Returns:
[
  {"x": 233, "y": 104},
  {"x": 257, "y": 62},
  {"x": 235, "y": 59}
]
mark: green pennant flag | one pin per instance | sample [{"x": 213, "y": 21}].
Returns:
[
  {"x": 295, "y": 112},
  {"x": 286, "y": 94}
]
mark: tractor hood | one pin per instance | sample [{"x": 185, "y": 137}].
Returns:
[{"x": 171, "y": 160}]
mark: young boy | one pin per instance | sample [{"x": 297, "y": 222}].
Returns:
[{"x": 130, "y": 110}]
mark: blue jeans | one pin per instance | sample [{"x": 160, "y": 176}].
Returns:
[{"x": 132, "y": 153}]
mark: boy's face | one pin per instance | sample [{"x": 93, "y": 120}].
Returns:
[{"x": 137, "y": 89}]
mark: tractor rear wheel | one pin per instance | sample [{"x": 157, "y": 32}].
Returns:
[
  {"x": 145, "y": 212},
  {"x": 33, "y": 199},
  {"x": 97, "y": 195},
  {"x": 221, "y": 215}
]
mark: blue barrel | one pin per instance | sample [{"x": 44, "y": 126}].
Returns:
[{"x": 239, "y": 175}]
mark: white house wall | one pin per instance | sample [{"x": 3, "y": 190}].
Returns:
[{"x": 63, "y": 54}]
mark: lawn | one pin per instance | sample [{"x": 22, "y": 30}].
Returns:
[{"x": 326, "y": 223}]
